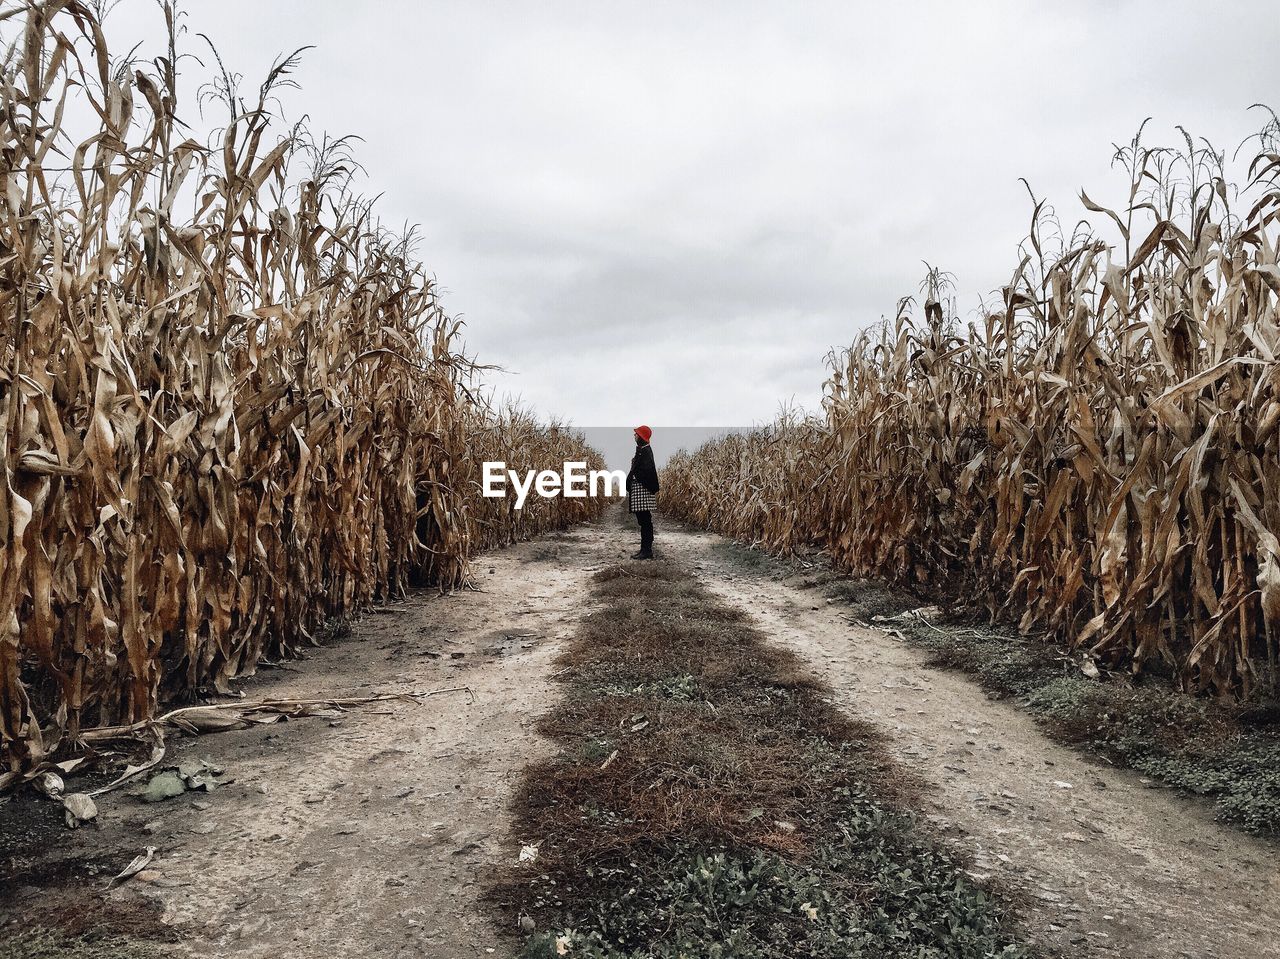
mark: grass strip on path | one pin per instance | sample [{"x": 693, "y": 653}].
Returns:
[{"x": 708, "y": 800}]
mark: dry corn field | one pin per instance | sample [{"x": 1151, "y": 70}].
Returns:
[
  {"x": 1096, "y": 457},
  {"x": 232, "y": 407},
  {"x": 310, "y": 645}
]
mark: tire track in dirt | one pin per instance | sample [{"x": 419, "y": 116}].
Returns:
[
  {"x": 369, "y": 835},
  {"x": 1106, "y": 866}
]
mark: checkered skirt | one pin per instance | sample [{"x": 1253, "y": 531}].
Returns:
[{"x": 640, "y": 500}]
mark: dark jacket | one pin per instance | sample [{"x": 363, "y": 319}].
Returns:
[{"x": 643, "y": 470}]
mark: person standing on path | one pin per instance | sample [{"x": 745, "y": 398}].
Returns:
[{"x": 642, "y": 490}]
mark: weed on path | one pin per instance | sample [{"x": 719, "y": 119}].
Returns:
[{"x": 709, "y": 801}]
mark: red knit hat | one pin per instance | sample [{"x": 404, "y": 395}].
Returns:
[{"x": 644, "y": 433}]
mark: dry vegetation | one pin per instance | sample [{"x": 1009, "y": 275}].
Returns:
[
  {"x": 1096, "y": 457},
  {"x": 709, "y": 800},
  {"x": 232, "y": 406}
]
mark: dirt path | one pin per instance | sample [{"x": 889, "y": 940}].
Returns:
[
  {"x": 1108, "y": 866},
  {"x": 367, "y": 835},
  {"x": 370, "y": 834}
]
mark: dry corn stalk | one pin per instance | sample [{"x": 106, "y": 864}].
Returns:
[
  {"x": 1098, "y": 457},
  {"x": 232, "y": 407}
]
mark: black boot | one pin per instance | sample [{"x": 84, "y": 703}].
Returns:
[{"x": 643, "y": 554}]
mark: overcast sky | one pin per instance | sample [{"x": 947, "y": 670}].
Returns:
[{"x": 669, "y": 212}]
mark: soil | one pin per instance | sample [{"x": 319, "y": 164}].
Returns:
[
  {"x": 364, "y": 835},
  {"x": 372, "y": 834},
  {"x": 1108, "y": 865}
]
